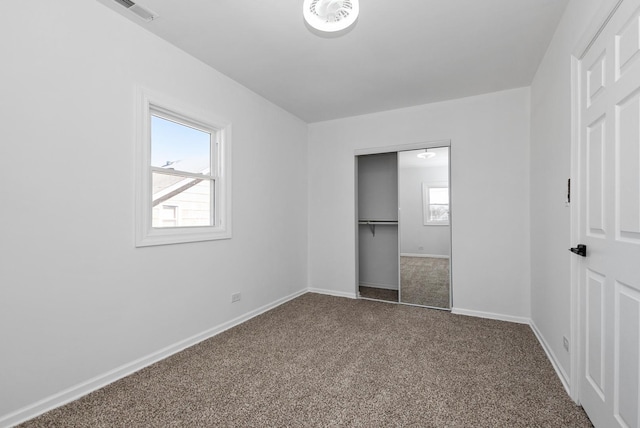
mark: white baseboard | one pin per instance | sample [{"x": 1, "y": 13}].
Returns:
[
  {"x": 383, "y": 286},
  {"x": 490, "y": 315},
  {"x": 431, "y": 256},
  {"x": 552, "y": 357},
  {"x": 100, "y": 381},
  {"x": 332, "y": 293},
  {"x": 84, "y": 388}
]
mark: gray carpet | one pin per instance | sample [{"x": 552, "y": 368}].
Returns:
[
  {"x": 329, "y": 361},
  {"x": 425, "y": 281}
]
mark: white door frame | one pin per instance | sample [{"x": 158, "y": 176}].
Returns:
[{"x": 600, "y": 20}]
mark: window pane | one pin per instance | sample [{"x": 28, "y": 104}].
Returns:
[
  {"x": 439, "y": 195},
  {"x": 439, "y": 213},
  {"x": 181, "y": 201},
  {"x": 179, "y": 147},
  {"x": 169, "y": 216}
]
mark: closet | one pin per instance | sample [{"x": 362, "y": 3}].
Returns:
[
  {"x": 379, "y": 258},
  {"x": 404, "y": 230}
]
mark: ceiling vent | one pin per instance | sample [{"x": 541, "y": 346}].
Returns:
[
  {"x": 138, "y": 10},
  {"x": 330, "y": 15}
]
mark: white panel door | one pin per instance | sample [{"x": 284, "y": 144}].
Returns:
[{"x": 610, "y": 222}]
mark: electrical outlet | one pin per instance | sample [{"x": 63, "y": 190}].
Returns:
[
  {"x": 235, "y": 297},
  {"x": 565, "y": 343}
]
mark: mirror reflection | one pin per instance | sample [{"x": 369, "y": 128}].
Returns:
[{"x": 425, "y": 236}]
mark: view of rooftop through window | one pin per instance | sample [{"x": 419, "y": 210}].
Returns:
[{"x": 181, "y": 175}]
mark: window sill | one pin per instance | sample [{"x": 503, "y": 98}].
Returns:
[{"x": 169, "y": 236}]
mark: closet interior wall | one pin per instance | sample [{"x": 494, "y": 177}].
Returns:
[{"x": 378, "y": 250}]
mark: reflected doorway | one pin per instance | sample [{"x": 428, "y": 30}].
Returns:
[{"x": 425, "y": 227}]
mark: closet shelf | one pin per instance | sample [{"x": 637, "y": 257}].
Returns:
[
  {"x": 373, "y": 223},
  {"x": 377, "y": 222}
]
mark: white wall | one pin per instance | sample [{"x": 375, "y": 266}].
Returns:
[
  {"x": 378, "y": 257},
  {"x": 77, "y": 299},
  {"x": 415, "y": 236},
  {"x": 550, "y": 169},
  {"x": 378, "y": 187},
  {"x": 489, "y": 160}
]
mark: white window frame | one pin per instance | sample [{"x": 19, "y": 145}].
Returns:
[
  {"x": 157, "y": 104},
  {"x": 426, "y": 203}
]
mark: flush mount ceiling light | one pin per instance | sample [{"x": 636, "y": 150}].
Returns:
[
  {"x": 330, "y": 15},
  {"x": 426, "y": 154}
]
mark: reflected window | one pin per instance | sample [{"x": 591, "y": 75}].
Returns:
[{"x": 436, "y": 204}]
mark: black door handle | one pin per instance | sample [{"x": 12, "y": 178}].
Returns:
[{"x": 580, "y": 250}]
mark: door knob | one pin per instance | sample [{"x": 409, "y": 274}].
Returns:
[{"x": 580, "y": 250}]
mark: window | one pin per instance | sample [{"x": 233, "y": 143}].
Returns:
[
  {"x": 436, "y": 204},
  {"x": 183, "y": 190},
  {"x": 168, "y": 216},
  {"x": 181, "y": 173}
]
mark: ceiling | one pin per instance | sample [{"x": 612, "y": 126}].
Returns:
[{"x": 400, "y": 53}]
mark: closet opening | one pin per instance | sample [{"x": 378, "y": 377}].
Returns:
[{"x": 403, "y": 210}]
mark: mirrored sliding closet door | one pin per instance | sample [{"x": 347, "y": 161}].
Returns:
[
  {"x": 404, "y": 227},
  {"x": 425, "y": 227}
]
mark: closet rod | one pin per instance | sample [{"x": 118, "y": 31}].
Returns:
[{"x": 372, "y": 224}]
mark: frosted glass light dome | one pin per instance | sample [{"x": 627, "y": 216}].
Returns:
[
  {"x": 330, "y": 15},
  {"x": 426, "y": 154}
]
